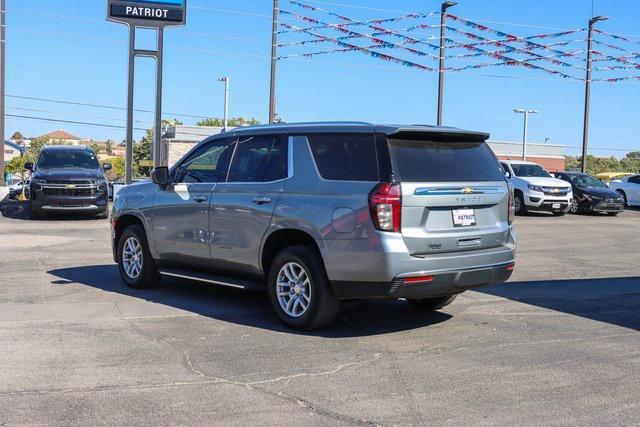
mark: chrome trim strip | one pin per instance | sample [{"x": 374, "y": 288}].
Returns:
[
  {"x": 199, "y": 279},
  {"x": 456, "y": 191}
]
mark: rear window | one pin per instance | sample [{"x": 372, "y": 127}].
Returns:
[
  {"x": 431, "y": 161},
  {"x": 345, "y": 157}
]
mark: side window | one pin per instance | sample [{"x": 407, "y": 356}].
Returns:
[
  {"x": 249, "y": 163},
  {"x": 505, "y": 168},
  {"x": 207, "y": 164},
  {"x": 278, "y": 163},
  {"x": 635, "y": 179},
  {"x": 345, "y": 157}
]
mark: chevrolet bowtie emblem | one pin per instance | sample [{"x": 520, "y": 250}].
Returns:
[
  {"x": 467, "y": 190},
  {"x": 69, "y": 186}
]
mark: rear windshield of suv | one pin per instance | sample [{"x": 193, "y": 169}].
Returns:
[{"x": 432, "y": 161}]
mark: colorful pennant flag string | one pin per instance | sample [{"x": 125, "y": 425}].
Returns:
[
  {"x": 366, "y": 51},
  {"x": 357, "y": 34}
]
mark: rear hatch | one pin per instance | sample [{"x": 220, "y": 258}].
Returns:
[{"x": 454, "y": 194}]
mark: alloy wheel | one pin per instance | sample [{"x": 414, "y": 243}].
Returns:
[
  {"x": 574, "y": 207},
  {"x": 132, "y": 257},
  {"x": 293, "y": 288}
]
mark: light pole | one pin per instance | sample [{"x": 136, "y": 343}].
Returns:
[
  {"x": 524, "y": 132},
  {"x": 443, "y": 18},
  {"x": 274, "y": 47},
  {"x": 226, "y": 81},
  {"x": 587, "y": 94}
]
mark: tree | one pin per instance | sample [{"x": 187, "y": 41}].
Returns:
[
  {"x": 233, "y": 123},
  {"x": 142, "y": 150},
  {"x": 17, "y": 136},
  {"x": 95, "y": 147}
]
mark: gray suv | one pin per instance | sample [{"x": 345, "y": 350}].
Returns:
[{"x": 317, "y": 213}]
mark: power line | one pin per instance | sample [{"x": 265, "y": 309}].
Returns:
[
  {"x": 70, "y": 122},
  {"x": 110, "y": 107}
]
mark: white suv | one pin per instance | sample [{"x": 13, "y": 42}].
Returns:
[{"x": 535, "y": 189}]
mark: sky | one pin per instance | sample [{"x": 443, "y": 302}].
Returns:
[{"x": 68, "y": 51}]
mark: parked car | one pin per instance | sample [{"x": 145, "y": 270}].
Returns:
[
  {"x": 68, "y": 178},
  {"x": 318, "y": 213},
  {"x": 607, "y": 177},
  {"x": 16, "y": 189},
  {"x": 591, "y": 195},
  {"x": 535, "y": 189},
  {"x": 629, "y": 189}
]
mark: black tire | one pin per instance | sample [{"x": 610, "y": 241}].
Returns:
[
  {"x": 575, "y": 207},
  {"x": 521, "y": 208},
  {"x": 432, "y": 303},
  {"x": 148, "y": 276},
  {"x": 104, "y": 214},
  {"x": 322, "y": 305}
]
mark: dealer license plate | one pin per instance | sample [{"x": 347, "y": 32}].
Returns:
[
  {"x": 463, "y": 217},
  {"x": 555, "y": 206}
]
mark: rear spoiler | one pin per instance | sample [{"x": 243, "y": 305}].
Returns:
[{"x": 444, "y": 135}]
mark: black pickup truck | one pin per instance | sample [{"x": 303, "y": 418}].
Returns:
[{"x": 68, "y": 178}]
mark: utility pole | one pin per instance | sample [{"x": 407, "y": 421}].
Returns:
[
  {"x": 525, "y": 130},
  {"x": 3, "y": 42},
  {"x": 274, "y": 51},
  {"x": 443, "y": 19},
  {"x": 226, "y": 81},
  {"x": 587, "y": 94}
]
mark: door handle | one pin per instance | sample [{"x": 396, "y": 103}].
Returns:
[
  {"x": 200, "y": 198},
  {"x": 262, "y": 200}
]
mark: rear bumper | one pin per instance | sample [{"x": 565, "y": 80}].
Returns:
[
  {"x": 376, "y": 267},
  {"x": 436, "y": 284}
]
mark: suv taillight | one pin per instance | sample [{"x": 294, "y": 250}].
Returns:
[
  {"x": 512, "y": 205},
  {"x": 385, "y": 204}
]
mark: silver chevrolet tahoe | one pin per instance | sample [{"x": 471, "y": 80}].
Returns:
[{"x": 317, "y": 213}]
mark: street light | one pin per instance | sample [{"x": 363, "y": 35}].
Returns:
[
  {"x": 587, "y": 94},
  {"x": 226, "y": 81},
  {"x": 524, "y": 133},
  {"x": 446, "y": 5}
]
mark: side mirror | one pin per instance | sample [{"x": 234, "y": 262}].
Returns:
[
  {"x": 106, "y": 166},
  {"x": 28, "y": 166},
  {"x": 160, "y": 176}
]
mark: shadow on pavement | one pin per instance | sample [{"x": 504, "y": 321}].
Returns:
[
  {"x": 253, "y": 308},
  {"x": 20, "y": 210},
  {"x": 614, "y": 300}
]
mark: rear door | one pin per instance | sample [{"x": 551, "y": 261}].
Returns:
[
  {"x": 454, "y": 195},
  {"x": 243, "y": 205}
]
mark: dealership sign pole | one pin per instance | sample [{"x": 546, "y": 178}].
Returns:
[{"x": 154, "y": 14}]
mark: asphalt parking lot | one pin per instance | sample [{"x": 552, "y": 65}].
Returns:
[{"x": 559, "y": 344}]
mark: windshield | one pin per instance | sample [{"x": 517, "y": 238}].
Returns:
[
  {"x": 587, "y": 181},
  {"x": 60, "y": 159},
  {"x": 526, "y": 170},
  {"x": 432, "y": 161}
]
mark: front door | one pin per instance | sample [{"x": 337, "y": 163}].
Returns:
[
  {"x": 180, "y": 213},
  {"x": 242, "y": 207}
]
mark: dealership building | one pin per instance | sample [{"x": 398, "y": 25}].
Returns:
[{"x": 178, "y": 140}]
